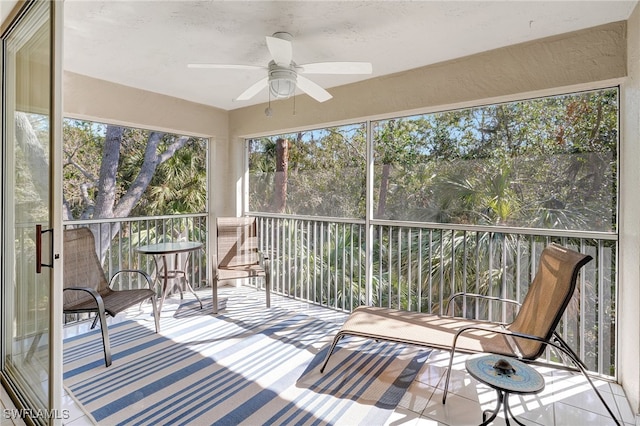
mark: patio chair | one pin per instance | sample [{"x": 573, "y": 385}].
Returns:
[
  {"x": 525, "y": 338},
  {"x": 237, "y": 255},
  {"x": 86, "y": 289}
]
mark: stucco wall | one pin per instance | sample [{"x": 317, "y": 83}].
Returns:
[
  {"x": 629, "y": 261},
  {"x": 92, "y": 99},
  {"x": 98, "y": 100}
]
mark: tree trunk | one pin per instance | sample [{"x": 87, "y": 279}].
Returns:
[
  {"x": 107, "y": 204},
  {"x": 282, "y": 166},
  {"x": 384, "y": 184},
  {"x": 106, "y": 198}
]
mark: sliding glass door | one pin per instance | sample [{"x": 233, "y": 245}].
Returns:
[{"x": 31, "y": 361}]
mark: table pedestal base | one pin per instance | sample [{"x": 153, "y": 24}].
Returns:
[
  {"x": 166, "y": 289},
  {"x": 503, "y": 399}
]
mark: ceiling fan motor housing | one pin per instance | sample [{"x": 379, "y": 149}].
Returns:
[{"x": 282, "y": 80}]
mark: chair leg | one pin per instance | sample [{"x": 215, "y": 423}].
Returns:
[
  {"x": 105, "y": 338},
  {"x": 214, "y": 287},
  {"x": 446, "y": 381},
  {"x": 156, "y": 316},
  {"x": 267, "y": 284},
  {"x": 453, "y": 353},
  {"x": 562, "y": 346},
  {"x": 331, "y": 349}
]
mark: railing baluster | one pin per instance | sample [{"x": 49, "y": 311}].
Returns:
[
  {"x": 490, "y": 277},
  {"x": 380, "y": 251},
  {"x": 344, "y": 266},
  {"x": 398, "y": 271},
  {"x": 430, "y": 271},
  {"x": 503, "y": 284},
  {"x": 452, "y": 274},
  {"x": 419, "y": 262},
  {"x": 477, "y": 265},
  {"x": 441, "y": 274},
  {"x": 336, "y": 243},
  {"x": 409, "y": 271},
  {"x": 601, "y": 306},
  {"x": 308, "y": 258}
]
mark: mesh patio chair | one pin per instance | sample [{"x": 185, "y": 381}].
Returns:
[
  {"x": 526, "y": 338},
  {"x": 238, "y": 255},
  {"x": 86, "y": 289}
]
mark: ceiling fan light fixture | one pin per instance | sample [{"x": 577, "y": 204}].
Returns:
[
  {"x": 282, "y": 81},
  {"x": 282, "y": 88}
]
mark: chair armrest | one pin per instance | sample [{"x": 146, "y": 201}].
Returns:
[
  {"x": 497, "y": 330},
  {"x": 137, "y": 271},
  {"x": 500, "y": 331},
  {"x": 477, "y": 296},
  {"x": 92, "y": 292}
]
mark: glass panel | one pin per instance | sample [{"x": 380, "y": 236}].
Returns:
[
  {"x": 26, "y": 203},
  {"x": 316, "y": 172}
]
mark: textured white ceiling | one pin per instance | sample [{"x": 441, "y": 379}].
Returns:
[{"x": 147, "y": 44}]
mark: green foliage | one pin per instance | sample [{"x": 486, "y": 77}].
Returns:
[
  {"x": 179, "y": 184},
  {"x": 542, "y": 163},
  {"x": 549, "y": 163},
  {"x": 326, "y": 172},
  {"x": 83, "y": 143}
]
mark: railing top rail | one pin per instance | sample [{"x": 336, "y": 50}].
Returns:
[
  {"x": 131, "y": 219},
  {"x": 309, "y": 218},
  {"x": 556, "y": 233},
  {"x": 503, "y": 229}
]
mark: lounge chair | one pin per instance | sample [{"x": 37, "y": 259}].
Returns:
[
  {"x": 86, "y": 289},
  {"x": 237, "y": 255},
  {"x": 525, "y": 338}
]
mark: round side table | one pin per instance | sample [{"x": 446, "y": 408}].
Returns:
[{"x": 522, "y": 379}]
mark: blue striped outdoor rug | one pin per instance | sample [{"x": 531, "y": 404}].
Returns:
[{"x": 249, "y": 366}]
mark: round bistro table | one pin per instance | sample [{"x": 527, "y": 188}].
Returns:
[
  {"x": 522, "y": 380},
  {"x": 163, "y": 250}
]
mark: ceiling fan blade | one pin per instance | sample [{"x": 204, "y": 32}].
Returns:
[
  {"x": 226, "y": 66},
  {"x": 337, "y": 68},
  {"x": 313, "y": 90},
  {"x": 253, "y": 89},
  {"x": 281, "y": 50}
]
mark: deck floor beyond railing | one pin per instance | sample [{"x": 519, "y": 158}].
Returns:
[{"x": 566, "y": 399}]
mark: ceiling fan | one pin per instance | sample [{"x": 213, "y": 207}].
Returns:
[{"x": 283, "y": 74}]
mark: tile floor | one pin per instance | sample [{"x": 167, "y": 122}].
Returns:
[{"x": 566, "y": 400}]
